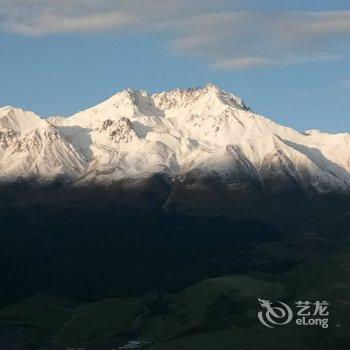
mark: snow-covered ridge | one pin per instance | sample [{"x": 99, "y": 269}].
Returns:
[{"x": 203, "y": 131}]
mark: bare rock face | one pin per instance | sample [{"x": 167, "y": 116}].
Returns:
[{"x": 118, "y": 131}]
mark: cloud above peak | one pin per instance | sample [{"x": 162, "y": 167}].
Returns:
[{"x": 223, "y": 33}]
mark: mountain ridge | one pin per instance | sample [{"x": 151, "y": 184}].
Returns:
[{"x": 134, "y": 134}]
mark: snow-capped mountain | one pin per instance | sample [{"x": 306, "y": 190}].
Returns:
[
  {"x": 195, "y": 132},
  {"x": 32, "y": 148}
]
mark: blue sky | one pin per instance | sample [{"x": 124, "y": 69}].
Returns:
[{"x": 289, "y": 60}]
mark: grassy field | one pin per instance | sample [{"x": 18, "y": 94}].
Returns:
[{"x": 215, "y": 313}]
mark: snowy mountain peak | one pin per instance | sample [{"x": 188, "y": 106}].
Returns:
[
  {"x": 183, "y": 132},
  {"x": 132, "y": 95},
  {"x": 208, "y": 96},
  {"x": 225, "y": 96},
  {"x": 19, "y": 121}
]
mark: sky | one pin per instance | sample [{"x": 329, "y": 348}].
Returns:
[{"x": 288, "y": 60}]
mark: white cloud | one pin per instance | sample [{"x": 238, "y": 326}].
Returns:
[
  {"x": 220, "y": 32},
  {"x": 38, "y": 17},
  {"x": 255, "y": 62},
  {"x": 49, "y": 23},
  {"x": 244, "y": 63},
  {"x": 238, "y": 40}
]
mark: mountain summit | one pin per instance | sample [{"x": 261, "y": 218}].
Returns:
[{"x": 183, "y": 133}]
